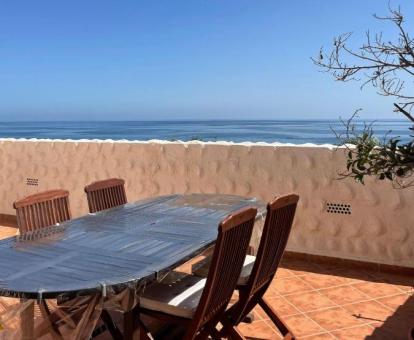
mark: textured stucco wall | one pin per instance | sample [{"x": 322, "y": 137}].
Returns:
[{"x": 379, "y": 229}]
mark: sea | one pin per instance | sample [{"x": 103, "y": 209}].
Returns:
[{"x": 283, "y": 131}]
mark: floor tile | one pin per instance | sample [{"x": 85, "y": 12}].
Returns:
[
  {"x": 319, "y": 336},
  {"x": 273, "y": 327},
  {"x": 302, "y": 325},
  {"x": 283, "y": 273},
  {"x": 354, "y": 333},
  {"x": 320, "y": 281},
  {"x": 334, "y": 318},
  {"x": 258, "y": 330},
  {"x": 369, "y": 311},
  {"x": 282, "y": 306},
  {"x": 309, "y": 301},
  {"x": 344, "y": 294},
  {"x": 377, "y": 289},
  {"x": 396, "y": 301},
  {"x": 259, "y": 314},
  {"x": 288, "y": 286}
]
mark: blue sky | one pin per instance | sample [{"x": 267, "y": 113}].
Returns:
[{"x": 173, "y": 59}]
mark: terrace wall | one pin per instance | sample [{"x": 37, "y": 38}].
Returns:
[{"x": 379, "y": 229}]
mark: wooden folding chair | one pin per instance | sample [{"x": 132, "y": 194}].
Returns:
[
  {"x": 42, "y": 210},
  {"x": 105, "y": 194},
  {"x": 39, "y": 211},
  {"x": 278, "y": 223},
  {"x": 198, "y": 303}
]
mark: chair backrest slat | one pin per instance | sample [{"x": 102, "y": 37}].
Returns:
[
  {"x": 230, "y": 250},
  {"x": 105, "y": 194},
  {"x": 42, "y": 210},
  {"x": 276, "y": 231}
]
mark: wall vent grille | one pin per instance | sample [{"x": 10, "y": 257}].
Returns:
[
  {"x": 338, "y": 208},
  {"x": 32, "y": 181}
]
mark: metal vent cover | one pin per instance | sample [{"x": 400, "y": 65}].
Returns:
[
  {"x": 32, "y": 181},
  {"x": 338, "y": 208}
]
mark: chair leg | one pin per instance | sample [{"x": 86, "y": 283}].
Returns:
[
  {"x": 277, "y": 320},
  {"x": 98, "y": 331},
  {"x": 47, "y": 315},
  {"x": 235, "y": 334},
  {"x": 130, "y": 323},
  {"x": 144, "y": 333},
  {"x": 110, "y": 325},
  {"x": 133, "y": 326},
  {"x": 230, "y": 331}
]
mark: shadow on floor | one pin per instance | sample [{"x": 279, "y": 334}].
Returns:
[{"x": 398, "y": 325}]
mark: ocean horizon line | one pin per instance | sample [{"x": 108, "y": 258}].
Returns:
[
  {"x": 321, "y": 131},
  {"x": 339, "y": 120}
]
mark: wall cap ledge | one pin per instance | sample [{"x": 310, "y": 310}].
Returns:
[{"x": 162, "y": 142}]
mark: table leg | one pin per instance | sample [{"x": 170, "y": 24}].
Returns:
[{"x": 27, "y": 321}]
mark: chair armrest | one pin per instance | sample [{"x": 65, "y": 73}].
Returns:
[{"x": 201, "y": 267}]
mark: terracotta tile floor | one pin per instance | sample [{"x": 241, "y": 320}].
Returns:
[
  {"x": 329, "y": 301},
  {"x": 332, "y": 302},
  {"x": 321, "y": 301}
]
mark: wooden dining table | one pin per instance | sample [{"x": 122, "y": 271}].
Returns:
[{"x": 133, "y": 243}]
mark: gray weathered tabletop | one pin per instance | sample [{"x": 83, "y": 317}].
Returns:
[{"x": 130, "y": 243}]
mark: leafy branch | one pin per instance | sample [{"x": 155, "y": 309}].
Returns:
[{"x": 388, "y": 66}]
